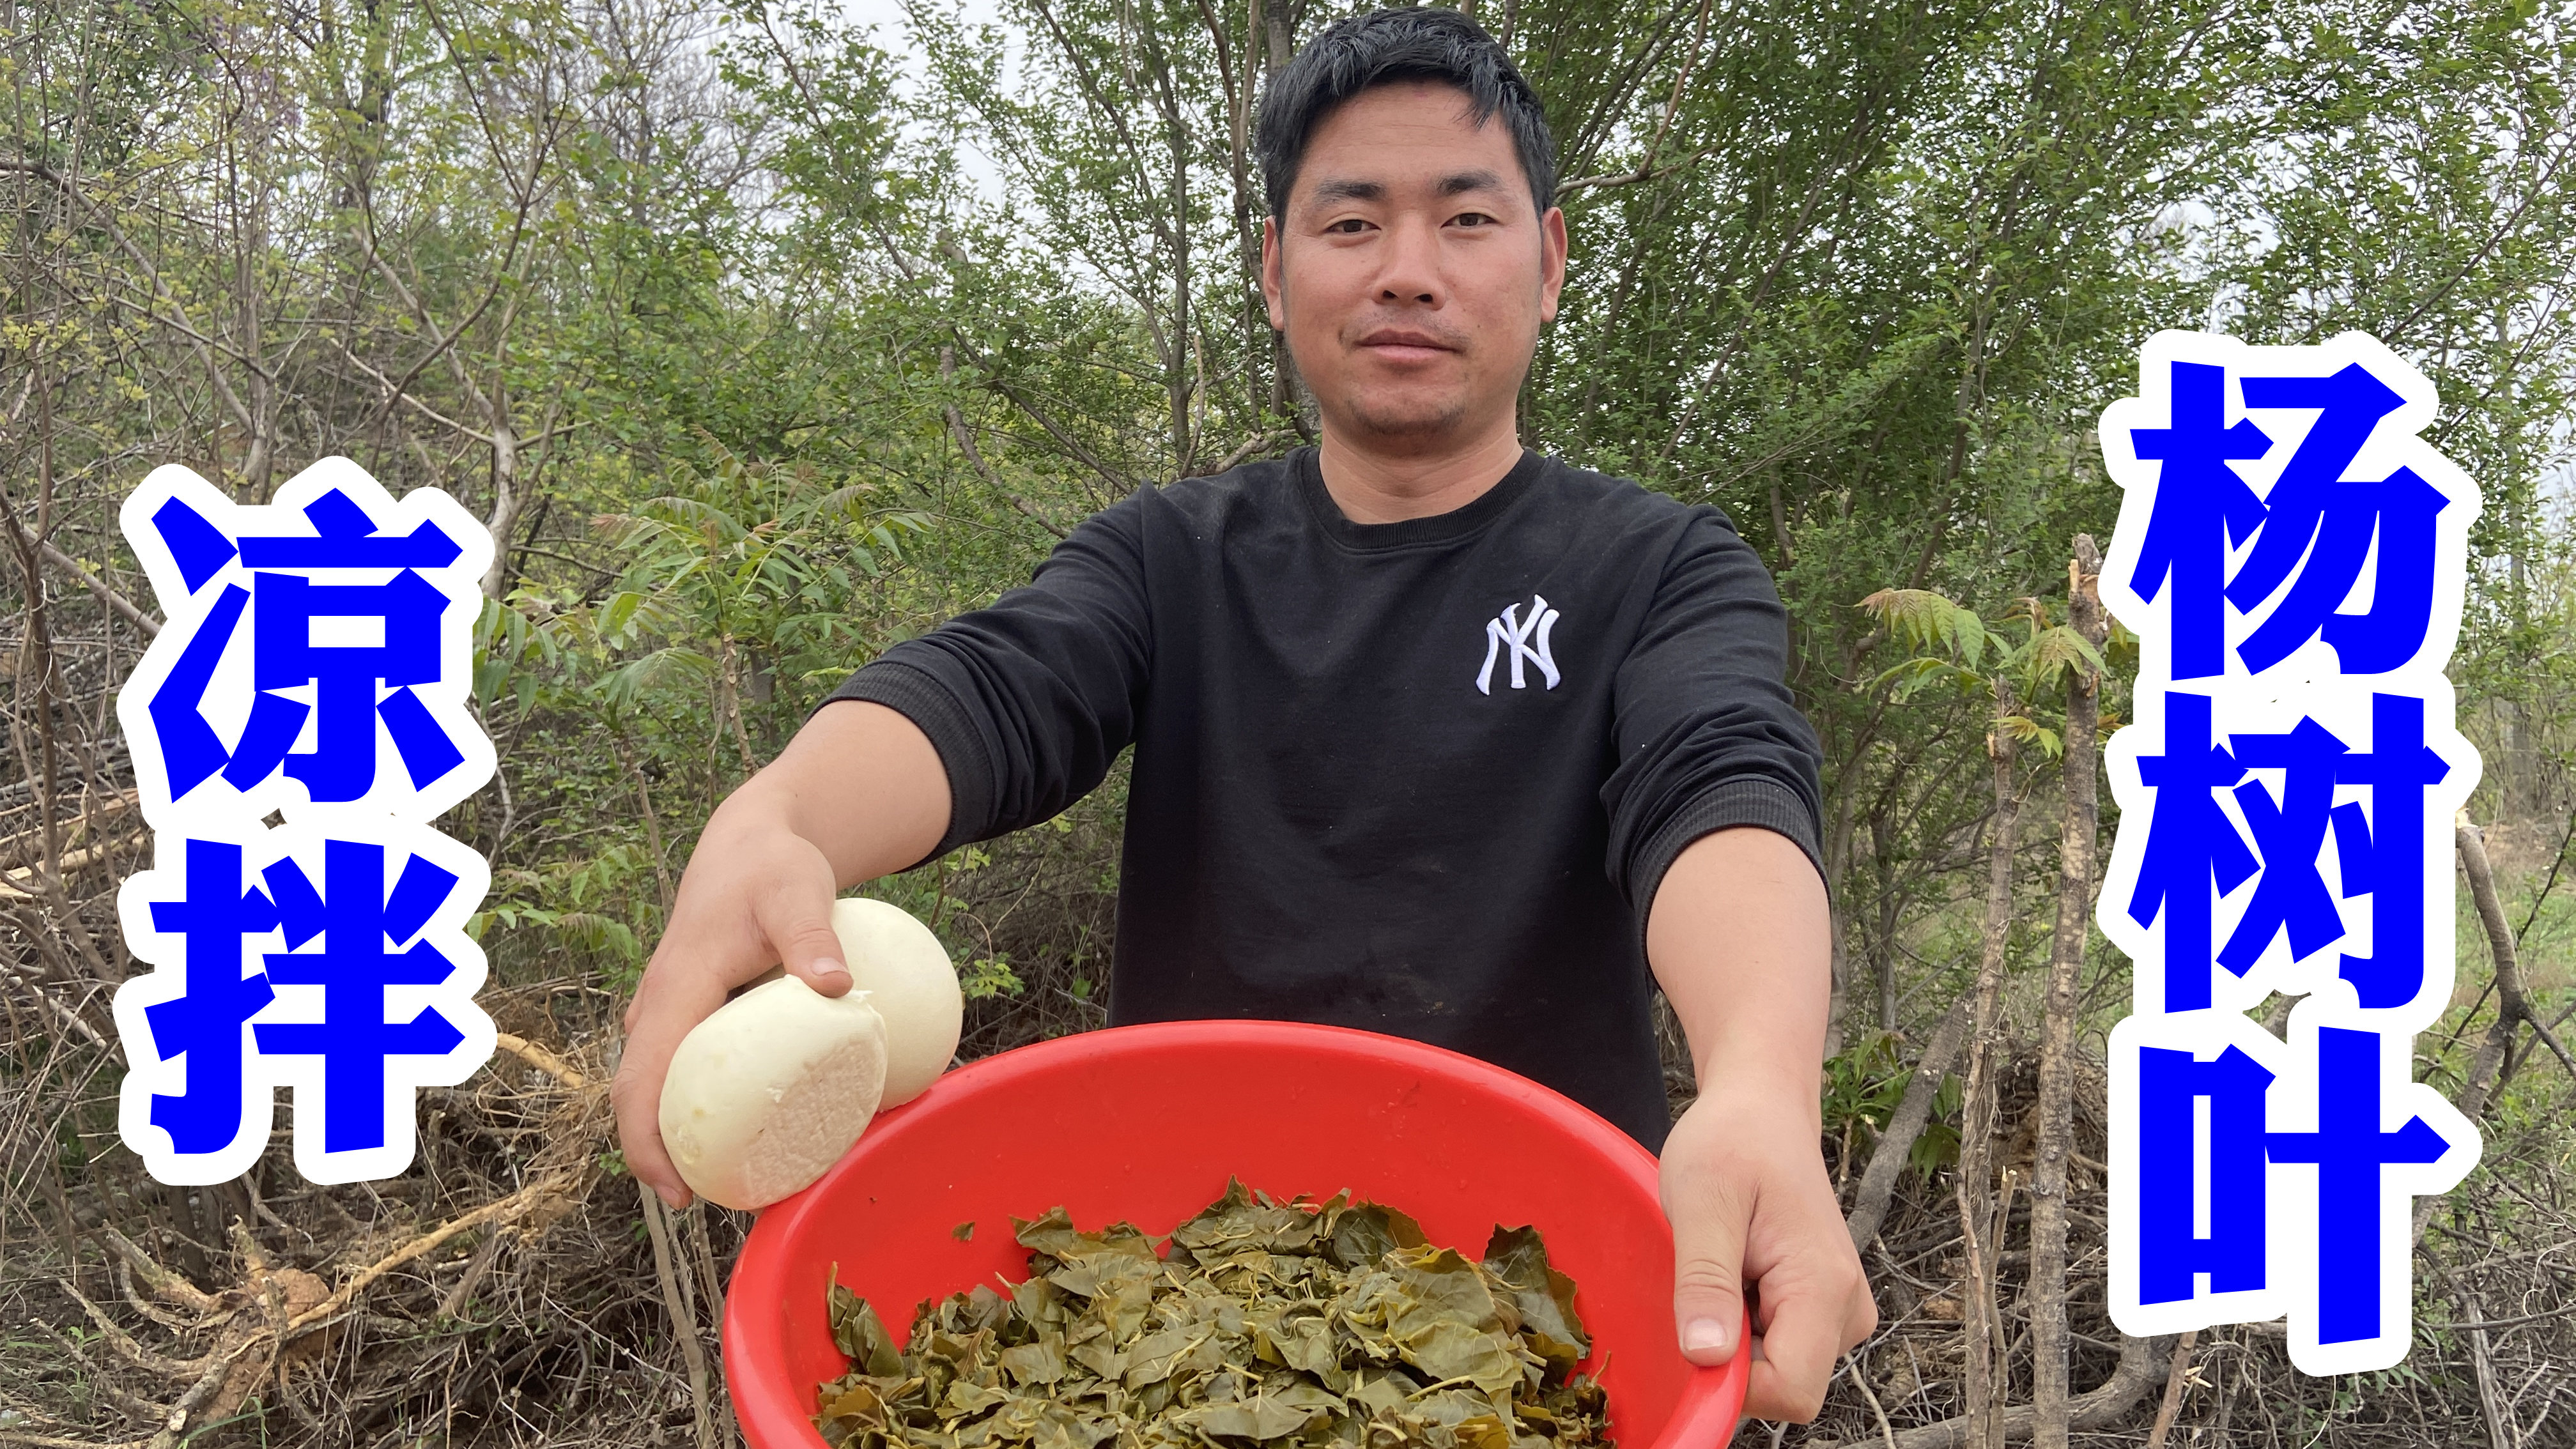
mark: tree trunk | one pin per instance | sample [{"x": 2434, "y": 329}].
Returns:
[
  {"x": 1838, "y": 848},
  {"x": 1896, "y": 1143},
  {"x": 1241, "y": 94},
  {"x": 507, "y": 498},
  {"x": 1280, "y": 24},
  {"x": 259, "y": 449},
  {"x": 1978, "y": 1217},
  {"x": 2046, "y": 1295},
  {"x": 1282, "y": 34},
  {"x": 1891, "y": 906}
]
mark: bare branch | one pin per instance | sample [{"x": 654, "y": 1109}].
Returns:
[{"x": 123, "y": 607}]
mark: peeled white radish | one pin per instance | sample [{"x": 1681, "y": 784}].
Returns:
[
  {"x": 767, "y": 1093},
  {"x": 905, "y": 971}
]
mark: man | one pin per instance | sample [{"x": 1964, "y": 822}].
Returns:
[{"x": 1434, "y": 735}]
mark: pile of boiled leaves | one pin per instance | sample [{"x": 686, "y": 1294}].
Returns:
[{"x": 1267, "y": 1322}]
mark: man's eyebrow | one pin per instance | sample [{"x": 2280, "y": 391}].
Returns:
[
  {"x": 1465, "y": 181},
  {"x": 1342, "y": 188}
]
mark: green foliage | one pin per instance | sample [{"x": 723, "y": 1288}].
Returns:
[
  {"x": 987, "y": 977},
  {"x": 1952, "y": 642},
  {"x": 742, "y": 554},
  {"x": 1865, "y": 1081}
]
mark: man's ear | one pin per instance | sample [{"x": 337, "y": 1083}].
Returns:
[
  {"x": 1273, "y": 277},
  {"x": 1551, "y": 261}
]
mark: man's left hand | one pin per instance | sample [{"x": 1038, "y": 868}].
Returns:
[{"x": 1745, "y": 1189}]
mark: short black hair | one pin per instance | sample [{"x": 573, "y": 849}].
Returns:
[{"x": 1413, "y": 43}]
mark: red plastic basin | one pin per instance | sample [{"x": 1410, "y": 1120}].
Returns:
[{"x": 1145, "y": 1123}]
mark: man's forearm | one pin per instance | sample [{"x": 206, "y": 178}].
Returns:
[
  {"x": 1739, "y": 940},
  {"x": 859, "y": 781}
]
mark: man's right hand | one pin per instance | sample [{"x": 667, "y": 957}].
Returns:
[
  {"x": 858, "y": 793},
  {"x": 751, "y": 900}
]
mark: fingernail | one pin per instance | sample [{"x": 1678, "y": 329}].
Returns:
[
  {"x": 670, "y": 1198},
  {"x": 1704, "y": 1335},
  {"x": 826, "y": 966}
]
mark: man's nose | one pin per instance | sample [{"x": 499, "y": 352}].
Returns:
[{"x": 1412, "y": 269}]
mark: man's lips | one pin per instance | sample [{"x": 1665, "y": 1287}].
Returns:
[{"x": 1404, "y": 346}]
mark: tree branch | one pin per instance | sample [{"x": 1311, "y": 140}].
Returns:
[
  {"x": 2136, "y": 1373},
  {"x": 107, "y": 223},
  {"x": 2515, "y": 1005},
  {"x": 122, "y": 606}
]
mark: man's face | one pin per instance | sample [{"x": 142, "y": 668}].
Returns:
[{"x": 1413, "y": 269}]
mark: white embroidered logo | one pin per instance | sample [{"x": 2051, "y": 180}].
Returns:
[{"x": 1509, "y": 631}]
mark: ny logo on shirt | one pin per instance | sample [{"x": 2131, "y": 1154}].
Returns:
[{"x": 1509, "y": 631}]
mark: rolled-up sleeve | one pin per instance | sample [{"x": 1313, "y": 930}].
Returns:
[
  {"x": 1029, "y": 700},
  {"x": 1708, "y": 735}
]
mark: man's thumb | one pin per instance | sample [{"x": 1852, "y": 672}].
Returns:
[
  {"x": 801, "y": 931},
  {"x": 1708, "y": 1285}
]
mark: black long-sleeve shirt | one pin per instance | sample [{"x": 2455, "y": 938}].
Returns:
[{"x": 1418, "y": 777}]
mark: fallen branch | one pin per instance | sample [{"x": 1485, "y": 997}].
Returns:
[
  {"x": 1906, "y": 1123},
  {"x": 206, "y": 1386},
  {"x": 2137, "y": 1371},
  {"x": 540, "y": 1058},
  {"x": 506, "y": 1207},
  {"x": 70, "y": 1019},
  {"x": 163, "y": 1282},
  {"x": 15, "y": 846},
  {"x": 217, "y": 1369},
  {"x": 101, "y": 1375},
  {"x": 2518, "y": 1320},
  {"x": 20, "y": 884},
  {"x": 124, "y": 1343}
]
